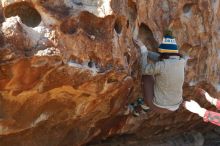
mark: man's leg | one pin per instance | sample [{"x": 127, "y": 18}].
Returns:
[{"x": 148, "y": 93}]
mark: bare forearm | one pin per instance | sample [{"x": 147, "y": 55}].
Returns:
[
  {"x": 153, "y": 55},
  {"x": 144, "y": 54}
]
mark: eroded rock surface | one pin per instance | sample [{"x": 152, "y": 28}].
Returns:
[{"x": 69, "y": 67}]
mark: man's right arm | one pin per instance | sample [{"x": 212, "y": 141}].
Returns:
[{"x": 153, "y": 55}]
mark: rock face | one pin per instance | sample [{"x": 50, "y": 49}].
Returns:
[{"x": 69, "y": 67}]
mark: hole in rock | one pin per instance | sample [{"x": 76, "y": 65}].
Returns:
[
  {"x": 90, "y": 64},
  {"x": 95, "y": 26},
  {"x": 127, "y": 25},
  {"x": 85, "y": 95},
  {"x": 2, "y": 40},
  {"x": 118, "y": 26},
  {"x": 28, "y": 14},
  {"x": 112, "y": 80},
  {"x": 69, "y": 26},
  {"x": 146, "y": 35},
  {"x": 2, "y": 19},
  {"x": 187, "y": 8}
]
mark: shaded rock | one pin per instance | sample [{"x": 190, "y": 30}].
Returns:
[{"x": 25, "y": 11}]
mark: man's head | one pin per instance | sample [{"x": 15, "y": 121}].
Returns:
[{"x": 168, "y": 44}]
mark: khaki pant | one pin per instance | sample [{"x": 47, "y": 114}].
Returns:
[{"x": 148, "y": 94}]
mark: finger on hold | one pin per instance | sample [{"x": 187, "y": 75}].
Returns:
[
  {"x": 187, "y": 103},
  {"x": 193, "y": 101}
]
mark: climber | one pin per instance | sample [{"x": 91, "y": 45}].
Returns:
[
  {"x": 208, "y": 116},
  {"x": 162, "y": 81}
]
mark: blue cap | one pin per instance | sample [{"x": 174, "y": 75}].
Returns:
[{"x": 168, "y": 45}]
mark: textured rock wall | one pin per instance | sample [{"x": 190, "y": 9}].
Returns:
[{"x": 68, "y": 67}]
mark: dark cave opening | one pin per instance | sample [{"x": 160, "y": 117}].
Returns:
[{"x": 28, "y": 14}]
